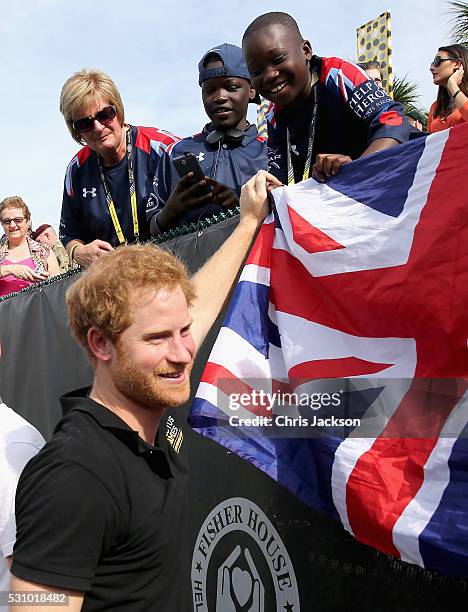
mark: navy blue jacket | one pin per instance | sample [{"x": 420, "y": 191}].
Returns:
[
  {"x": 85, "y": 214},
  {"x": 352, "y": 112},
  {"x": 236, "y": 164}
]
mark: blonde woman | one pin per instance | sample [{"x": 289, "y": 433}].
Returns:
[{"x": 109, "y": 181}]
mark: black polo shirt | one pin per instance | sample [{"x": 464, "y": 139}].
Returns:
[{"x": 100, "y": 511}]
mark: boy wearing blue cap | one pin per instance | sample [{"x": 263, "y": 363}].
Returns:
[{"x": 229, "y": 149}]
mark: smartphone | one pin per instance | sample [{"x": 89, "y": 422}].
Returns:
[{"x": 189, "y": 163}]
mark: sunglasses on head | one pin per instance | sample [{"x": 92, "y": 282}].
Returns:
[
  {"x": 438, "y": 60},
  {"x": 104, "y": 116}
]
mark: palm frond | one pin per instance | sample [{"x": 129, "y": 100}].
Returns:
[
  {"x": 406, "y": 93},
  {"x": 459, "y": 22}
]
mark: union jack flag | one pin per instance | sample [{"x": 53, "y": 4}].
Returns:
[{"x": 359, "y": 287}]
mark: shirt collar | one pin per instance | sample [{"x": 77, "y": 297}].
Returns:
[
  {"x": 250, "y": 134},
  {"x": 80, "y": 401}
]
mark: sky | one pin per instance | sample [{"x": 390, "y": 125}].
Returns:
[{"x": 151, "y": 48}]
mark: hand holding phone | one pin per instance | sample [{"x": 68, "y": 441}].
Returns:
[
  {"x": 188, "y": 164},
  {"x": 223, "y": 195},
  {"x": 190, "y": 192}
]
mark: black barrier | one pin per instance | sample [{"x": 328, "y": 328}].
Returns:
[{"x": 251, "y": 539}]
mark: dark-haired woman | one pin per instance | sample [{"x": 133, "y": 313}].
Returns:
[{"x": 449, "y": 71}]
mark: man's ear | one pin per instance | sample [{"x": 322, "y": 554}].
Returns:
[
  {"x": 100, "y": 345},
  {"x": 252, "y": 93},
  {"x": 307, "y": 50}
]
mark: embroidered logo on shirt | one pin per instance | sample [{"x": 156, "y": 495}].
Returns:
[
  {"x": 91, "y": 191},
  {"x": 174, "y": 434},
  {"x": 367, "y": 100},
  {"x": 201, "y": 156}
]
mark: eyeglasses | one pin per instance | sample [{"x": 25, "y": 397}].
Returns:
[
  {"x": 104, "y": 116},
  {"x": 17, "y": 221},
  {"x": 438, "y": 60}
]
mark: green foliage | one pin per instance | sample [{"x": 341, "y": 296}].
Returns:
[
  {"x": 459, "y": 22},
  {"x": 406, "y": 93}
]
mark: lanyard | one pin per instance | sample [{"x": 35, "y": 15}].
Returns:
[
  {"x": 310, "y": 144},
  {"x": 109, "y": 200}
]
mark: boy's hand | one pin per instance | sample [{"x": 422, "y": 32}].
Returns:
[
  {"x": 223, "y": 195},
  {"x": 184, "y": 197},
  {"x": 328, "y": 164}
]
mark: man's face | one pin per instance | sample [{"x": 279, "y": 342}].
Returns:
[
  {"x": 48, "y": 236},
  {"x": 278, "y": 64},
  {"x": 103, "y": 139},
  {"x": 374, "y": 74},
  {"x": 226, "y": 99},
  {"x": 154, "y": 355}
]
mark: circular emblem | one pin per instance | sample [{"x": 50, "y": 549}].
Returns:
[{"x": 240, "y": 563}]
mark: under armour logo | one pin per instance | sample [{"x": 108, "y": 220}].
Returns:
[
  {"x": 201, "y": 156},
  {"x": 92, "y": 191}
]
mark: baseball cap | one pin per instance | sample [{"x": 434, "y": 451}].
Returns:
[
  {"x": 39, "y": 230},
  {"x": 233, "y": 65}
]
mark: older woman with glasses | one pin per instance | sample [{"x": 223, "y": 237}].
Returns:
[
  {"x": 23, "y": 261},
  {"x": 108, "y": 182},
  {"x": 449, "y": 71}
]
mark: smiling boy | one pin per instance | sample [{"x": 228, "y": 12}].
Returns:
[
  {"x": 324, "y": 110},
  {"x": 228, "y": 149}
]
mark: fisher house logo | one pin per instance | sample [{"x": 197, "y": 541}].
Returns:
[{"x": 240, "y": 563}]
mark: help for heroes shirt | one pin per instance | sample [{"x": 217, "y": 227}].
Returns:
[{"x": 352, "y": 111}]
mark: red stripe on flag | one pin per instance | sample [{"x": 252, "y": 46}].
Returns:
[
  {"x": 335, "y": 368},
  {"x": 387, "y": 477},
  {"x": 310, "y": 238},
  {"x": 230, "y": 385},
  {"x": 261, "y": 250}
]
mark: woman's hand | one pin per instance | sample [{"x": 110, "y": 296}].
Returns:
[
  {"x": 454, "y": 81},
  {"x": 23, "y": 272}
]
